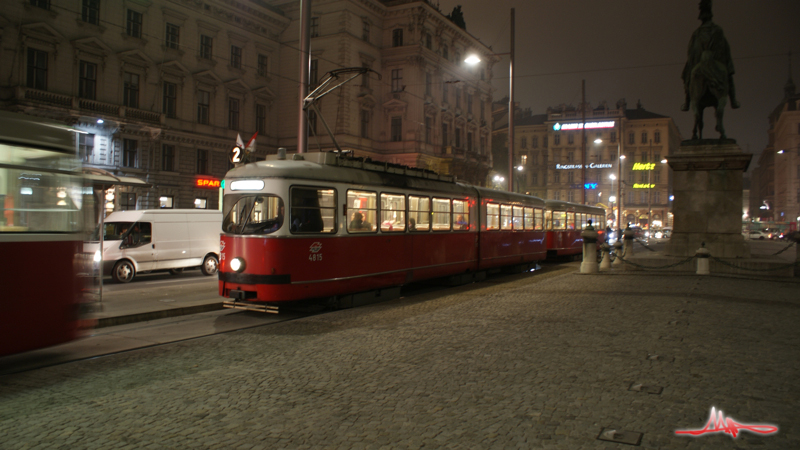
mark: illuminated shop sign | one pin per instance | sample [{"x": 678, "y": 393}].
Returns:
[
  {"x": 578, "y": 126},
  {"x": 207, "y": 183},
  {"x": 643, "y": 186},
  {"x": 643, "y": 166},
  {"x": 590, "y": 186},
  {"x": 580, "y": 166}
]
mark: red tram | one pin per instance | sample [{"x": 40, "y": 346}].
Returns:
[
  {"x": 42, "y": 227},
  {"x": 321, "y": 226},
  {"x": 564, "y": 223}
]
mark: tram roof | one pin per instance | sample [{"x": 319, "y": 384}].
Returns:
[
  {"x": 328, "y": 166},
  {"x": 557, "y": 205},
  {"x": 36, "y": 132}
]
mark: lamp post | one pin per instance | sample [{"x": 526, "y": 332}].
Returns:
[
  {"x": 474, "y": 59},
  {"x": 612, "y": 198},
  {"x": 619, "y": 193}
]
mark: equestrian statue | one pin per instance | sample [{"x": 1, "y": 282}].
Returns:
[{"x": 708, "y": 73}]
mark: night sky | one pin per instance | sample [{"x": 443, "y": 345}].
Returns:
[{"x": 636, "y": 49}]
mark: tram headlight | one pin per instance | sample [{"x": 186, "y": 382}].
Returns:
[{"x": 237, "y": 264}]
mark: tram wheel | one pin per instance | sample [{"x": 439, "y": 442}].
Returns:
[
  {"x": 210, "y": 265},
  {"x": 123, "y": 272}
]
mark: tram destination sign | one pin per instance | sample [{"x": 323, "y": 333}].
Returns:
[{"x": 580, "y": 166}]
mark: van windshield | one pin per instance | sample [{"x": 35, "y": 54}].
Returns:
[
  {"x": 113, "y": 231},
  {"x": 252, "y": 214}
]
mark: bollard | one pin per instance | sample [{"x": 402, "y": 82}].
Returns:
[
  {"x": 589, "y": 264},
  {"x": 605, "y": 264},
  {"x": 702, "y": 255},
  {"x": 618, "y": 250},
  {"x": 628, "y": 235}
]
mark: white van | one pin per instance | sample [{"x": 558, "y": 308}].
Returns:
[{"x": 160, "y": 239}]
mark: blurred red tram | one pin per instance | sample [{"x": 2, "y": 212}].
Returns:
[
  {"x": 42, "y": 229},
  {"x": 324, "y": 226},
  {"x": 564, "y": 223}
]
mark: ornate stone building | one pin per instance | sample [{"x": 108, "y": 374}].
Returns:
[
  {"x": 548, "y": 151},
  {"x": 161, "y": 88}
]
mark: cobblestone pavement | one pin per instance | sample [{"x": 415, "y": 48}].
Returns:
[{"x": 542, "y": 361}]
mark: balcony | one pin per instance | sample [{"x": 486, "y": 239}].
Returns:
[{"x": 91, "y": 106}]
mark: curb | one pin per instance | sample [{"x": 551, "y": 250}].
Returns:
[{"x": 153, "y": 315}]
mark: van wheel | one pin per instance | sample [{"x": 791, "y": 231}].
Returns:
[
  {"x": 176, "y": 271},
  {"x": 210, "y": 265},
  {"x": 123, "y": 272}
]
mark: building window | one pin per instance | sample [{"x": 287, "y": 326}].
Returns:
[
  {"x": 657, "y": 197},
  {"x": 37, "y": 69},
  {"x": 613, "y": 137},
  {"x": 570, "y": 196},
  {"x": 645, "y": 157},
  {"x": 444, "y": 134},
  {"x": 261, "y": 119},
  {"x": 428, "y": 130},
  {"x": 644, "y": 137},
  {"x": 632, "y": 138},
  {"x": 445, "y": 52},
  {"x": 483, "y": 111},
  {"x": 631, "y": 178},
  {"x": 523, "y": 160},
  {"x": 263, "y": 65},
  {"x": 428, "y": 81},
  {"x": 428, "y": 41},
  {"x": 570, "y": 139},
  {"x": 557, "y": 139},
  {"x": 656, "y": 176},
  {"x": 535, "y": 142},
  {"x": 365, "y": 31},
  {"x": 657, "y": 137},
  {"x": 632, "y": 198},
  {"x": 523, "y": 142},
  {"x": 87, "y": 86},
  {"x": 570, "y": 177},
  {"x": 165, "y": 202},
  {"x": 313, "y": 73},
  {"x": 557, "y": 177},
  {"x": 90, "y": 12},
  {"x": 201, "y": 203},
  {"x": 206, "y": 46},
  {"x": 570, "y": 157},
  {"x": 168, "y": 158},
  {"x": 130, "y": 91},
  {"x": 86, "y": 146},
  {"x": 134, "y": 24},
  {"x": 643, "y": 197},
  {"x": 397, "y": 37},
  {"x": 236, "y": 57},
  {"x": 202, "y": 162},
  {"x": 535, "y": 179},
  {"x": 130, "y": 153},
  {"x": 365, "y": 123},
  {"x": 397, "y": 80},
  {"x": 458, "y": 97},
  {"x": 173, "y": 36},
  {"x": 544, "y": 142},
  {"x": 44, "y": 4},
  {"x": 397, "y": 129},
  {"x": 127, "y": 201},
  {"x": 469, "y": 103},
  {"x": 314, "y": 27},
  {"x": 312, "y": 122},
  {"x": 645, "y": 176},
  {"x": 203, "y": 105},
  {"x": 458, "y": 137},
  {"x": 233, "y": 113},
  {"x": 170, "y": 99},
  {"x": 445, "y": 92}
]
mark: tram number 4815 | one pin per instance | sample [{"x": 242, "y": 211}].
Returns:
[{"x": 315, "y": 257}]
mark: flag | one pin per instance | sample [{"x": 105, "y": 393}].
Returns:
[{"x": 239, "y": 142}]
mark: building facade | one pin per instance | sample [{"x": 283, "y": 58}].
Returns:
[
  {"x": 161, "y": 88},
  {"x": 549, "y": 159}
]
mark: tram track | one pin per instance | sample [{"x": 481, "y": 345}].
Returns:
[{"x": 121, "y": 339}]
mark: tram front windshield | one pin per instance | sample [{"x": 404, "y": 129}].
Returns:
[
  {"x": 252, "y": 214},
  {"x": 41, "y": 191}
]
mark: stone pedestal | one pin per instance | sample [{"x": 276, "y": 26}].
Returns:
[{"x": 707, "y": 184}]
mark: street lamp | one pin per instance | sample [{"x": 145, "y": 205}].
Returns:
[
  {"x": 619, "y": 192},
  {"x": 612, "y": 198},
  {"x": 474, "y": 59}
]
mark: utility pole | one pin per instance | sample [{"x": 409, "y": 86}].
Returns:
[
  {"x": 650, "y": 190},
  {"x": 511, "y": 111},
  {"x": 305, "y": 63},
  {"x": 583, "y": 142}
]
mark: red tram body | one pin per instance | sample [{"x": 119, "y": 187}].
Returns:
[
  {"x": 42, "y": 229},
  {"x": 321, "y": 226},
  {"x": 564, "y": 223}
]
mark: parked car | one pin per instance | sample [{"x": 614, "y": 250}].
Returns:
[{"x": 755, "y": 234}]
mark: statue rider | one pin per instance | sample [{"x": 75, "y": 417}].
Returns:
[{"x": 719, "y": 69}]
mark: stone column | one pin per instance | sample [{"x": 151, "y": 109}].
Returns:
[{"x": 707, "y": 184}]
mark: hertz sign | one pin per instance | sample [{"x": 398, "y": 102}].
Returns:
[
  {"x": 210, "y": 183},
  {"x": 643, "y": 166}
]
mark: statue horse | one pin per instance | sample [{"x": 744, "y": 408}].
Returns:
[{"x": 708, "y": 87}]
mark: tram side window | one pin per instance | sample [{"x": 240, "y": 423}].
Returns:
[
  {"x": 393, "y": 212},
  {"x": 505, "y": 217},
  {"x": 517, "y": 217},
  {"x": 559, "y": 220},
  {"x": 537, "y": 221},
  {"x": 581, "y": 220},
  {"x": 419, "y": 213},
  {"x": 252, "y": 214},
  {"x": 313, "y": 210},
  {"x": 529, "y": 220},
  {"x": 492, "y": 216},
  {"x": 570, "y": 221},
  {"x": 362, "y": 210},
  {"x": 549, "y": 220},
  {"x": 441, "y": 214},
  {"x": 460, "y": 215}
]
